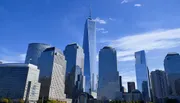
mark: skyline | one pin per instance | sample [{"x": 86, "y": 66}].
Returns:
[{"x": 128, "y": 25}]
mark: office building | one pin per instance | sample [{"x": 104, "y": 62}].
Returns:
[
  {"x": 159, "y": 85},
  {"x": 74, "y": 83},
  {"x": 19, "y": 81},
  {"x": 145, "y": 90},
  {"x": 74, "y": 56},
  {"x": 108, "y": 84},
  {"x": 34, "y": 52},
  {"x": 120, "y": 84},
  {"x": 134, "y": 96},
  {"x": 52, "y": 65},
  {"x": 171, "y": 66},
  {"x": 131, "y": 86},
  {"x": 142, "y": 73},
  {"x": 89, "y": 46}
]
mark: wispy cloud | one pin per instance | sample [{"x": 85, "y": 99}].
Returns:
[
  {"x": 102, "y": 30},
  {"x": 7, "y": 56},
  {"x": 100, "y": 21},
  {"x": 124, "y": 1},
  {"x": 161, "y": 39},
  {"x": 112, "y": 19},
  {"x": 137, "y": 5}
]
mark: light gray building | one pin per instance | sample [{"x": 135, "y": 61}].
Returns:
[
  {"x": 108, "y": 83},
  {"x": 159, "y": 85},
  {"x": 172, "y": 68},
  {"x": 19, "y": 81},
  {"x": 142, "y": 74},
  {"x": 34, "y": 52},
  {"x": 52, "y": 65}
]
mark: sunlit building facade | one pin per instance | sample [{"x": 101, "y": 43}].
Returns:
[
  {"x": 52, "y": 65},
  {"x": 142, "y": 73},
  {"x": 89, "y": 46}
]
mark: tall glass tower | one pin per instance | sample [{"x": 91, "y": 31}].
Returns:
[
  {"x": 108, "y": 83},
  {"x": 89, "y": 46},
  {"x": 142, "y": 73}
]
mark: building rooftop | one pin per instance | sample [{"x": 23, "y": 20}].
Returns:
[
  {"x": 135, "y": 91},
  {"x": 17, "y": 65},
  {"x": 39, "y": 44},
  {"x": 172, "y": 54}
]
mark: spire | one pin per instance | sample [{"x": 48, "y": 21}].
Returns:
[{"x": 90, "y": 12}]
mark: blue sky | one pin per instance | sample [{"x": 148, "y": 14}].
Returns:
[{"x": 127, "y": 25}]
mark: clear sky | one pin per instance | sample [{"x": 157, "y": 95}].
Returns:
[{"x": 127, "y": 25}]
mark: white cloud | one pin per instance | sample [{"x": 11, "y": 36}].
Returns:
[
  {"x": 100, "y": 21},
  {"x": 102, "y": 30},
  {"x": 112, "y": 19},
  {"x": 124, "y": 1},
  {"x": 163, "y": 39},
  {"x": 137, "y": 5},
  {"x": 8, "y": 56}
]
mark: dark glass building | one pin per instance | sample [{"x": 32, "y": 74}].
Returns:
[
  {"x": 171, "y": 66},
  {"x": 131, "y": 86},
  {"x": 108, "y": 83},
  {"x": 34, "y": 52},
  {"x": 89, "y": 46}
]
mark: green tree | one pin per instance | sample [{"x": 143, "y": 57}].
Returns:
[
  {"x": 172, "y": 101},
  {"x": 4, "y": 100},
  {"x": 20, "y": 101}
]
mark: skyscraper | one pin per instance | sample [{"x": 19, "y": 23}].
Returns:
[
  {"x": 159, "y": 85},
  {"x": 108, "y": 84},
  {"x": 120, "y": 84},
  {"x": 89, "y": 46},
  {"x": 142, "y": 74},
  {"x": 74, "y": 56},
  {"x": 131, "y": 86},
  {"x": 52, "y": 65},
  {"x": 172, "y": 65},
  {"x": 19, "y": 81},
  {"x": 34, "y": 52}
]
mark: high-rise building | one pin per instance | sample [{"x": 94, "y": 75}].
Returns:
[
  {"x": 89, "y": 46},
  {"x": 52, "y": 65},
  {"x": 34, "y": 52},
  {"x": 74, "y": 56},
  {"x": 108, "y": 84},
  {"x": 120, "y": 84},
  {"x": 19, "y": 81},
  {"x": 131, "y": 86},
  {"x": 142, "y": 73},
  {"x": 159, "y": 85},
  {"x": 172, "y": 65}
]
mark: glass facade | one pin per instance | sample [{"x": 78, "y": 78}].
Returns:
[
  {"x": 108, "y": 83},
  {"x": 14, "y": 81},
  {"x": 34, "y": 52},
  {"x": 172, "y": 65},
  {"x": 52, "y": 65},
  {"x": 89, "y": 46},
  {"x": 74, "y": 56},
  {"x": 131, "y": 86},
  {"x": 142, "y": 72}
]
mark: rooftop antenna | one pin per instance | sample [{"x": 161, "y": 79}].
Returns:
[{"x": 90, "y": 12}]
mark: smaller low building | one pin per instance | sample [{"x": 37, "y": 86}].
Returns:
[
  {"x": 135, "y": 95},
  {"x": 19, "y": 81}
]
